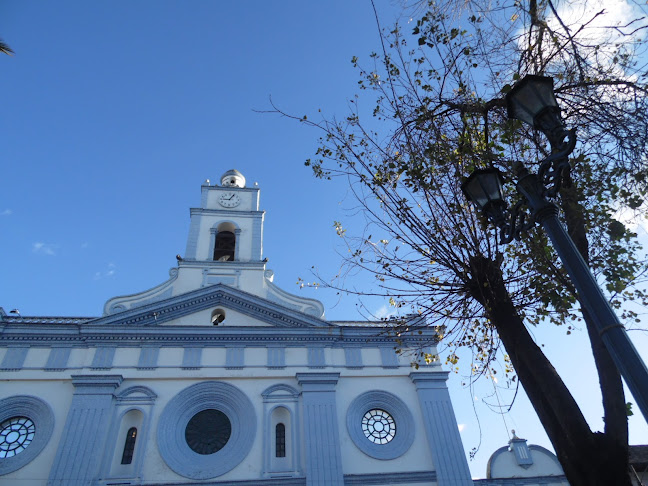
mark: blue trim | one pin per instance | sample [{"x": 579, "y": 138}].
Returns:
[
  {"x": 353, "y": 358},
  {"x": 531, "y": 481},
  {"x": 372, "y": 479},
  {"x": 133, "y": 396},
  {"x": 393, "y": 405},
  {"x": 148, "y": 358},
  {"x": 103, "y": 358},
  {"x": 257, "y": 236},
  {"x": 321, "y": 430},
  {"x": 14, "y": 358},
  {"x": 280, "y": 393},
  {"x": 191, "y": 358},
  {"x": 390, "y": 478},
  {"x": 316, "y": 358},
  {"x": 441, "y": 429},
  {"x": 196, "y": 398},
  {"x": 522, "y": 452},
  {"x": 41, "y": 414},
  {"x": 234, "y": 358},
  {"x": 276, "y": 357},
  {"x": 58, "y": 358},
  {"x": 87, "y": 426},
  {"x": 389, "y": 357}
]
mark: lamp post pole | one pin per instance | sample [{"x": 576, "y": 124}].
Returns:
[
  {"x": 532, "y": 100},
  {"x": 612, "y": 332}
]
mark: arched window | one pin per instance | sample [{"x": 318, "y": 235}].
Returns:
[
  {"x": 280, "y": 440},
  {"x": 129, "y": 446},
  {"x": 225, "y": 244}
]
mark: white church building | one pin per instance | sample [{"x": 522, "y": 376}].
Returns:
[{"x": 219, "y": 377}]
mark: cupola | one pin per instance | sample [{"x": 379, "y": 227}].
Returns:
[{"x": 232, "y": 178}]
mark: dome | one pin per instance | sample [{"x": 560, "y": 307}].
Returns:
[{"x": 233, "y": 178}]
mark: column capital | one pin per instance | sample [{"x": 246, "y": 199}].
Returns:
[
  {"x": 318, "y": 381},
  {"x": 96, "y": 384},
  {"x": 429, "y": 379}
]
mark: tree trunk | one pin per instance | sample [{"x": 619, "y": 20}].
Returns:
[{"x": 582, "y": 454}]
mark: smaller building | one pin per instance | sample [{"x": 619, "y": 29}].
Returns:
[{"x": 520, "y": 464}]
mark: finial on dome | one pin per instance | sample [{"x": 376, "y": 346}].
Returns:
[{"x": 233, "y": 178}]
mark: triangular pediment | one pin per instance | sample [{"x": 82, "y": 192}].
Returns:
[{"x": 259, "y": 311}]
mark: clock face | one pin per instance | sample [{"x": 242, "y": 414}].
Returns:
[{"x": 229, "y": 200}]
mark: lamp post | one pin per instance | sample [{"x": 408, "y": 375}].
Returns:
[{"x": 532, "y": 100}]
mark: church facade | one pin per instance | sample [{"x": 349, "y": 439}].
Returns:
[{"x": 217, "y": 376}]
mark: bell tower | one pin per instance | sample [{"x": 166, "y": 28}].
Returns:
[{"x": 227, "y": 228}]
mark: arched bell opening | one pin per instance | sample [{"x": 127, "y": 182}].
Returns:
[{"x": 225, "y": 244}]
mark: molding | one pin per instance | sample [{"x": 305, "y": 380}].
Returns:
[
  {"x": 429, "y": 380},
  {"x": 196, "y": 398},
  {"x": 532, "y": 481},
  {"x": 92, "y": 335},
  {"x": 126, "y": 302},
  {"x": 43, "y": 417},
  {"x": 405, "y": 429},
  {"x": 312, "y": 307},
  {"x": 96, "y": 384},
  {"x": 317, "y": 381},
  {"x": 390, "y": 478},
  {"x": 280, "y": 393},
  {"x": 136, "y": 395},
  {"x": 206, "y": 298}
]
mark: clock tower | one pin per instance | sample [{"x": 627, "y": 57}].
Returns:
[
  {"x": 224, "y": 247},
  {"x": 228, "y": 225}
]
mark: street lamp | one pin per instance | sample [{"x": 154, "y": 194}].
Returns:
[{"x": 532, "y": 100}]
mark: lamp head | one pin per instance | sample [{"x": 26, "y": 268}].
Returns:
[
  {"x": 532, "y": 100},
  {"x": 484, "y": 188}
]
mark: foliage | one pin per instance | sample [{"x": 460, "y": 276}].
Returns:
[{"x": 437, "y": 112}]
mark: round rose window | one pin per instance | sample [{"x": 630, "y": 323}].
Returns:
[
  {"x": 16, "y": 434},
  {"x": 208, "y": 431},
  {"x": 378, "y": 426}
]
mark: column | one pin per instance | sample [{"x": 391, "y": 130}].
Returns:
[
  {"x": 441, "y": 429},
  {"x": 80, "y": 450},
  {"x": 322, "y": 439}
]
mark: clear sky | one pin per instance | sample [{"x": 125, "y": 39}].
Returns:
[{"x": 113, "y": 113}]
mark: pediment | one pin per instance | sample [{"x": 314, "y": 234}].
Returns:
[{"x": 167, "y": 311}]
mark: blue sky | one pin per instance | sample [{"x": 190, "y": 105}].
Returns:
[{"x": 113, "y": 113}]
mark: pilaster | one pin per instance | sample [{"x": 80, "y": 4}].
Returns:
[
  {"x": 81, "y": 446},
  {"x": 321, "y": 431},
  {"x": 441, "y": 428}
]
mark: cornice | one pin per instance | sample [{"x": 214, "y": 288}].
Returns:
[
  {"x": 229, "y": 213},
  {"x": 135, "y": 336}
]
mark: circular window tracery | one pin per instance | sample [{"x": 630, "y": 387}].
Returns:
[
  {"x": 209, "y": 396},
  {"x": 26, "y": 425},
  {"x": 208, "y": 431},
  {"x": 16, "y": 434},
  {"x": 378, "y": 426}
]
